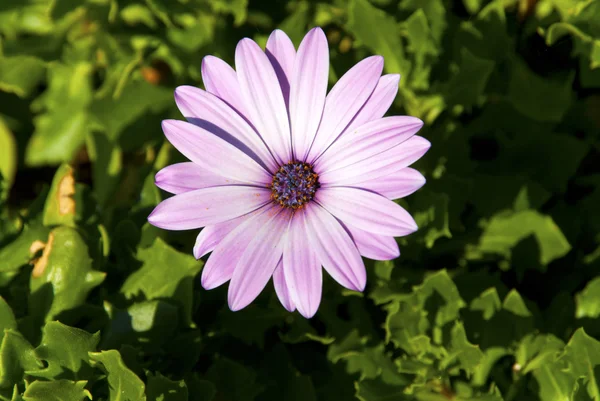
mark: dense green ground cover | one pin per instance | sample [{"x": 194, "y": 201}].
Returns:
[{"x": 496, "y": 297}]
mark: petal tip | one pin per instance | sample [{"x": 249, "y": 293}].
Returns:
[
  {"x": 307, "y": 313},
  {"x": 206, "y": 282},
  {"x": 153, "y": 217},
  {"x": 235, "y": 304}
]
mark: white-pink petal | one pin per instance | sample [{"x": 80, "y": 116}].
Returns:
[
  {"x": 379, "y": 102},
  {"x": 214, "y": 154},
  {"x": 263, "y": 98},
  {"x": 308, "y": 89},
  {"x": 213, "y": 114},
  {"x": 303, "y": 273},
  {"x": 374, "y": 246},
  {"x": 207, "y": 206},
  {"x": 281, "y": 52},
  {"x": 396, "y": 185},
  {"x": 334, "y": 248},
  {"x": 184, "y": 177},
  {"x": 258, "y": 262},
  {"x": 211, "y": 236},
  {"x": 368, "y": 140},
  {"x": 221, "y": 80},
  {"x": 281, "y": 288},
  {"x": 220, "y": 265},
  {"x": 380, "y": 165},
  {"x": 366, "y": 210},
  {"x": 345, "y": 100}
]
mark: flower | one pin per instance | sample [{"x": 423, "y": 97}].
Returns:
[{"x": 286, "y": 178}]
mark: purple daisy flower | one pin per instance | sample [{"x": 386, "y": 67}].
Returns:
[{"x": 286, "y": 178}]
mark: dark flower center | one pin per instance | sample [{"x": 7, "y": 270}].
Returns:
[{"x": 294, "y": 184}]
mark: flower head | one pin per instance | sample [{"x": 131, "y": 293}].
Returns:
[{"x": 286, "y": 178}]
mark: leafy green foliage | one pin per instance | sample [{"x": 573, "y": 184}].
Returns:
[
  {"x": 122, "y": 382},
  {"x": 494, "y": 298}
]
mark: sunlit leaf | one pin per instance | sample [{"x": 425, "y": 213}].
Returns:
[
  {"x": 122, "y": 382},
  {"x": 60, "y": 390}
]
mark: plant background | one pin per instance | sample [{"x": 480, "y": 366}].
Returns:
[{"x": 496, "y": 297}]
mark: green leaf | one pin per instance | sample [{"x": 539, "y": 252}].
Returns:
[
  {"x": 134, "y": 14},
  {"x": 434, "y": 11},
  {"x": 559, "y": 373},
  {"x": 165, "y": 273},
  {"x": 7, "y": 318},
  {"x": 431, "y": 215},
  {"x": 65, "y": 350},
  {"x": 295, "y": 24},
  {"x": 461, "y": 351},
  {"x": 486, "y": 36},
  {"x": 238, "y": 8},
  {"x": 506, "y": 229},
  {"x": 467, "y": 85},
  {"x": 123, "y": 384},
  {"x": 384, "y": 40},
  {"x": 16, "y": 356},
  {"x": 115, "y": 113},
  {"x": 368, "y": 362},
  {"x": 63, "y": 276},
  {"x": 201, "y": 390},
  {"x": 251, "y": 324},
  {"x": 377, "y": 390},
  {"x": 488, "y": 303},
  {"x": 61, "y": 128},
  {"x": 579, "y": 24},
  {"x": 60, "y": 390},
  {"x": 107, "y": 166},
  {"x": 147, "y": 324},
  {"x": 536, "y": 350},
  {"x": 21, "y": 74},
  {"x": 196, "y": 33},
  {"x": 62, "y": 206},
  {"x": 8, "y": 155},
  {"x": 159, "y": 388},
  {"x": 233, "y": 381},
  {"x": 536, "y": 97},
  {"x": 554, "y": 382},
  {"x": 588, "y": 300},
  {"x": 582, "y": 353},
  {"x": 422, "y": 46},
  {"x": 22, "y": 249},
  {"x": 433, "y": 304}
]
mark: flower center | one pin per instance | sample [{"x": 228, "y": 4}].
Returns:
[{"x": 294, "y": 184}]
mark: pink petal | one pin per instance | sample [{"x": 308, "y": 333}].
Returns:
[
  {"x": 263, "y": 98},
  {"x": 380, "y": 165},
  {"x": 374, "y": 246},
  {"x": 211, "y": 236},
  {"x": 221, "y": 80},
  {"x": 308, "y": 90},
  {"x": 184, "y": 177},
  {"x": 396, "y": 185},
  {"x": 334, "y": 248},
  {"x": 207, "y": 206},
  {"x": 258, "y": 262},
  {"x": 345, "y": 100},
  {"x": 281, "y": 288},
  {"x": 368, "y": 140},
  {"x": 379, "y": 102},
  {"x": 366, "y": 210},
  {"x": 213, "y": 153},
  {"x": 302, "y": 269},
  {"x": 220, "y": 265},
  {"x": 282, "y": 53},
  {"x": 214, "y": 115}
]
